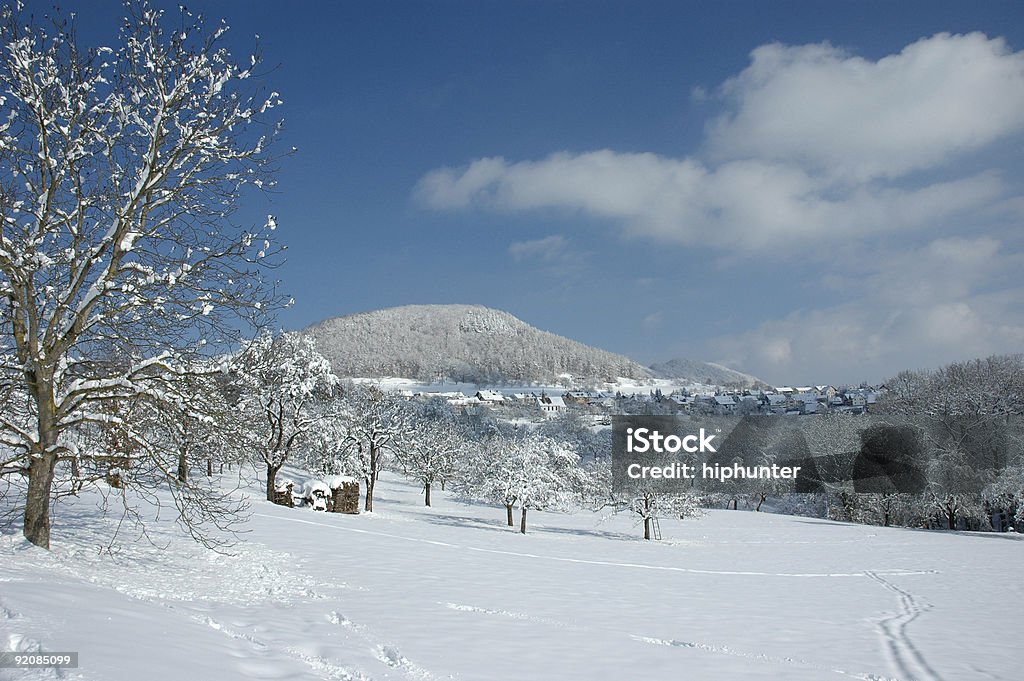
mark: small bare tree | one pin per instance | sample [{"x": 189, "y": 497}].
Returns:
[
  {"x": 432, "y": 449},
  {"x": 281, "y": 380},
  {"x": 374, "y": 422}
]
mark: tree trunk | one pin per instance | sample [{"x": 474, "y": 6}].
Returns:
[
  {"x": 182, "y": 466},
  {"x": 647, "y": 528},
  {"x": 209, "y": 468},
  {"x": 41, "y": 470},
  {"x": 368, "y": 506},
  {"x": 426, "y": 494},
  {"x": 508, "y": 510},
  {"x": 762, "y": 496},
  {"x": 522, "y": 522},
  {"x": 271, "y": 480},
  {"x": 37, "y": 501},
  {"x": 76, "y": 471},
  {"x": 371, "y": 480}
]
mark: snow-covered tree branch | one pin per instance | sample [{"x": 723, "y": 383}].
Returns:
[{"x": 120, "y": 169}]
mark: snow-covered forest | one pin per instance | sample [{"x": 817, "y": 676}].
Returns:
[{"x": 462, "y": 343}]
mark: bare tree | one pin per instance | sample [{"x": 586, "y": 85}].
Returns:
[
  {"x": 490, "y": 473},
  {"x": 281, "y": 381},
  {"x": 530, "y": 469},
  {"x": 120, "y": 168},
  {"x": 431, "y": 450},
  {"x": 375, "y": 423}
]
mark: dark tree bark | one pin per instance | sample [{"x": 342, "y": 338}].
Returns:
[
  {"x": 37, "y": 502},
  {"x": 271, "y": 480},
  {"x": 508, "y": 510},
  {"x": 368, "y": 505},
  {"x": 426, "y": 494},
  {"x": 182, "y": 465},
  {"x": 522, "y": 521},
  {"x": 371, "y": 479},
  {"x": 42, "y": 466}
]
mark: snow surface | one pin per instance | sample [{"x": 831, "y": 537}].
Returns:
[{"x": 450, "y": 592}]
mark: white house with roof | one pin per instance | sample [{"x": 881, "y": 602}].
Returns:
[
  {"x": 777, "y": 402},
  {"x": 749, "y": 402},
  {"x": 551, "y": 404},
  {"x": 726, "y": 403},
  {"x": 807, "y": 402},
  {"x": 826, "y": 391}
]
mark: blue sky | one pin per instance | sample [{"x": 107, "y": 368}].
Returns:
[{"x": 807, "y": 191}]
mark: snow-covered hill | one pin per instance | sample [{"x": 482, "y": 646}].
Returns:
[
  {"x": 450, "y": 592},
  {"x": 479, "y": 345},
  {"x": 466, "y": 343},
  {"x": 707, "y": 373}
]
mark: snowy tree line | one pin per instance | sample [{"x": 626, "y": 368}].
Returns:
[
  {"x": 951, "y": 458},
  {"x": 559, "y": 465},
  {"x": 977, "y": 479},
  {"x": 276, "y": 402}
]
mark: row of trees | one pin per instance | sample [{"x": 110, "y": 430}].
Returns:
[
  {"x": 946, "y": 450},
  {"x": 361, "y": 431},
  {"x": 972, "y": 416}
]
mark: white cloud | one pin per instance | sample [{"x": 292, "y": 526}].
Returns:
[
  {"x": 653, "y": 321},
  {"x": 809, "y": 146},
  {"x": 856, "y": 118},
  {"x": 924, "y": 307},
  {"x": 548, "y": 249},
  {"x": 746, "y": 205},
  {"x": 440, "y": 189}
]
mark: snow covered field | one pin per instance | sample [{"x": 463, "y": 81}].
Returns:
[{"x": 450, "y": 592}]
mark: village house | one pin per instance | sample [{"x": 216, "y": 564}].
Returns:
[{"x": 551, "y": 404}]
